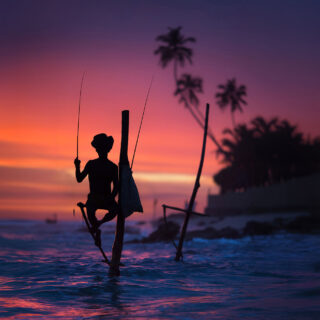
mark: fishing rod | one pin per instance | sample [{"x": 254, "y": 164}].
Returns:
[
  {"x": 79, "y": 114},
  {"x": 144, "y": 109}
]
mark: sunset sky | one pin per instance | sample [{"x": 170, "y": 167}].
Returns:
[{"x": 270, "y": 46}]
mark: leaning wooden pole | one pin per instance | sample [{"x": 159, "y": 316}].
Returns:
[
  {"x": 118, "y": 241},
  {"x": 195, "y": 189}
]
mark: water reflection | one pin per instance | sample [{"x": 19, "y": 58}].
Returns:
[
  {"x": 14, "y": 236},
  {"x": 33, "y": 308}
]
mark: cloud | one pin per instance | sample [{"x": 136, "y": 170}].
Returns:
[
  {"x": 38, "y": 189},
  {"x": 13, "y": 150},
  {"x": 34, "y": 175},
  {"x": 28, "y": 192}
]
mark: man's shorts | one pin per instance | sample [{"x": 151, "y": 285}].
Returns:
[{"x": 98, "y": 201}]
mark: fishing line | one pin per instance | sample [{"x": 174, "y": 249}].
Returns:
[
  {"x": 79, "y": 114},
  {"x": 144, "y": 109}
]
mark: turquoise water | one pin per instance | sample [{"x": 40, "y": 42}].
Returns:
[{"x": 55, "y": 272}]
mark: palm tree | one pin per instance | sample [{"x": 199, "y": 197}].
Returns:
[
  {"x": 267, "y": 152},
  {"x": 289, "y": 143},
  {"x": 262, "y": 126},
  {"x": 233, "y": 96},
  {"x": 187, "y": 89},
  {"x": 265, "y": 131},
  {"x": 239, "y": 147},
  {"x": 240, "y": 157},
  {"x": 173, "y": 49}
]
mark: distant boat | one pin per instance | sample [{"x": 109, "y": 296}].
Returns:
[{"x": 53, "y": 219}]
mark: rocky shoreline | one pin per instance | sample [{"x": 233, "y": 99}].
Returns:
[{"x": 306, "y": 224}]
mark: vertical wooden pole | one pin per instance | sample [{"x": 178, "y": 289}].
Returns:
[
  {"x": 195, "y": 189},
  {"x": 123, "y": 161}
]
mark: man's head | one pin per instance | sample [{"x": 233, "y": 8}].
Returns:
[{"x": 102, "y": 143}]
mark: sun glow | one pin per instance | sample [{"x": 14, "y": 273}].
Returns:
[{"x": 172, "y": 178}]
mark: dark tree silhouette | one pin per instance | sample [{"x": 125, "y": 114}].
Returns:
[
  {"x": 266, "y": 147},
  {"x": 263, "y": 126},
  {"x": 187, "y": 87},
  {"x": 264, "y": 153},
  {"x": 174, "y": 49},
  {"x": 232, "y": 96},
  {"x": 240, "y": 155}
]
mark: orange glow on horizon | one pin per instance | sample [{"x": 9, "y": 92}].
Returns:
[{"x": 38, "y": 132}]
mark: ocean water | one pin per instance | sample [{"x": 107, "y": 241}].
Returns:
[{"x": 55, "y": 272}]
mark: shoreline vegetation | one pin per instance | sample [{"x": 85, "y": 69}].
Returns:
[{"x": 264, "y": 153}]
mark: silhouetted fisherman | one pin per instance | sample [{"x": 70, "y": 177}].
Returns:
[{"x": 102, "y": 172}]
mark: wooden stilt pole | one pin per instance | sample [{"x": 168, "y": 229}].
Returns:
[
  {"x": 195, "y": 190},
  {"x": 118, "y": 241}
]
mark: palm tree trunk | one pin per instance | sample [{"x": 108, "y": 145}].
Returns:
[
  {"x": 233, "y": 119},
  {"x": 195, "y": 189},
  {"x": 195, "y": 116},
  {"x": 201, "y": 124},
  {"x": 175, "y": 70}
]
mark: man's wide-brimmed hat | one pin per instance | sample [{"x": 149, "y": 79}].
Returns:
[{"x": 103, "y": 141}]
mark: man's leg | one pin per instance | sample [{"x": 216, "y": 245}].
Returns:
[
  {"x": 108, "y": 217},
  {"x": 113, "y": 211},
  {"x": 91, "y": 212}
]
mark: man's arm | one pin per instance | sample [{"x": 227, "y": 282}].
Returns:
[
  {"x": 80, "y": 175},
  {"x": 115, "y": 182}
]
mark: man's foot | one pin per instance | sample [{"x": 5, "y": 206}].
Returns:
[{"x": 98, "y": 238}]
